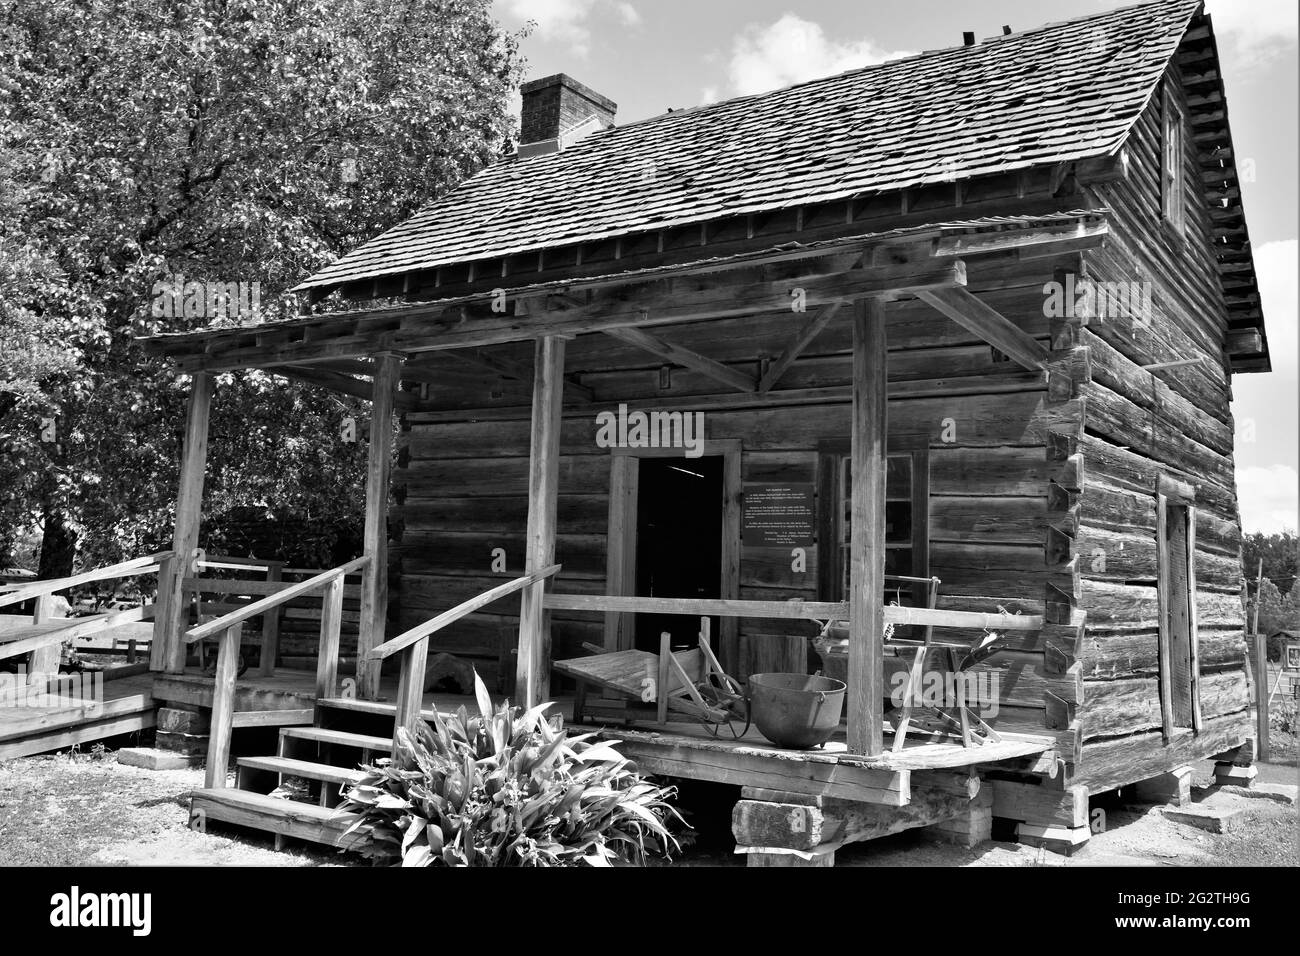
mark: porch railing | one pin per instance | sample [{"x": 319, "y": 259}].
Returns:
[
  {"x": 413, "y": 645},
  {"x": 229, "y": 627},
  {"x": 44, "y": 646}
]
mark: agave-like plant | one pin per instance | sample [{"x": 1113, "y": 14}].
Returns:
[{"x": 508, "y": 787}]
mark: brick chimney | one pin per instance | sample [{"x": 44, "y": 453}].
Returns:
[{"x": 557, "y": 112}]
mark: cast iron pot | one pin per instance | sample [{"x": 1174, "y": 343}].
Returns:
[{"x": 796, "y": 710}]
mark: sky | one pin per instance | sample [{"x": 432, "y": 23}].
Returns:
[{"x": 652, "y": 55}]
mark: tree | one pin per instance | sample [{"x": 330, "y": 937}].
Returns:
[
  {"x": 1280, "y": 553},
  {"x": 226, "y": 141}
]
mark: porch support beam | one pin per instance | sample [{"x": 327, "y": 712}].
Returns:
[
  {"x": 338, "y": 382},
  {"x": 811, "y": 329},
  {"x": 533, "y": 671},
  {"x": 167, "y": 652},
  {"x": 658, "y": 301},
  {"x": 867, "y": 545},
  {"x": 374, "y": 577},
  {"x": 686, "y": 358},
  {"x": 960, "y": 305},
  {"x": 509, "y": 369}
]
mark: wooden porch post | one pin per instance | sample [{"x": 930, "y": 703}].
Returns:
[
  {"x": 867, "y": 547},
  {"x": 374, "y": 577},
  {"x": 168, "y": 650},
  {"x": 533, "y": 672}
]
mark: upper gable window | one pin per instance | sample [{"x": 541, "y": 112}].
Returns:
[{"x": 1172, "y": 183}]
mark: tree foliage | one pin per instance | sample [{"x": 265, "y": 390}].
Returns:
[{"x": 223, "y": 141}]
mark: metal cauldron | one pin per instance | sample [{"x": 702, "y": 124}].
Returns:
[{"x": 796, "y": 710}]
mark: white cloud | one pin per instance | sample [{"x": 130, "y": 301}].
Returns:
[
  {"x": 1268, "y": 498},
  {"x": 1265, "y": 407},
  {"x": 792, "y": 50},
  {"x": 1258, "y": 27},
  {"x": 568, "y": 21}
]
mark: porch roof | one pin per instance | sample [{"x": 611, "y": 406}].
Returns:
[{"x": 928, "y": 255}]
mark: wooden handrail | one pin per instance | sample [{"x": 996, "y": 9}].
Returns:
[
  {"x": 421, "y": 631},
  {"x": 697, "y": 607},
  {"x": 258, "y": 608},
  {"x": 123, "y": 569},
  {"x": 809, "y": 610},
  {"x": 76, "y": 627}
]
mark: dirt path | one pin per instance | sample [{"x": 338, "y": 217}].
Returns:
[{"x": 83, "y": 811}]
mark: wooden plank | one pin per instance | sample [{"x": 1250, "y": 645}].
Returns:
[
  {"x": 867, "y": 529},
  {"x": 972, "y": 314},
  {"x": 1193, "y": 637},
  {"x": 422, "y": 631},
  {"x": 410, "y": 688},
  {"x": 533, "y": 668},
  {"x": 811, "y": 329},
  {"x": 299, "y": 717},
  {"x": 223, "y": 707},
  {"x": 636, "y": 302},
  {"x": 271, "y": 628},
  {"x": 698, "y": 607},
  {"x": 25, "y": 592},
  {"x": 517, "y": 371},
  {"x": 185, "y": 539},
  {"x": 283, "y": 596},
  {"x": 685, "y": 357},
  {"x": 620, "y": 575},
  {"x": 1162, "y": 597},
  {"x": 890, "y": 788},
  {"x": 54, "y": 631},
  {"x": 331, "y": 626},
  {"x": 343, "y": 384},
  {"x": 284, "y": 818},
  {"x": 374, "y": 583}
]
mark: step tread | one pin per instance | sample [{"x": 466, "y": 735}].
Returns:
[
  {"x": 303, "y": 768},
  {"x": 302, "y": 821},
  {"x": 341, "y": 737},
  {"x": 376, "y": 707}
]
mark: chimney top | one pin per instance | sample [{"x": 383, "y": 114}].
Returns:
[{"x": 557, "y": 111}]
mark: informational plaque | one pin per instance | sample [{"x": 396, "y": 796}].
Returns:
[{"x": 778, "y": 515}]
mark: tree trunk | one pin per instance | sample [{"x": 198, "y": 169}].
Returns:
[{"x": 58, "y": 546}]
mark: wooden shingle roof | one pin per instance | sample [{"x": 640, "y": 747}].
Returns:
[{"x": 1055, "y": 94}]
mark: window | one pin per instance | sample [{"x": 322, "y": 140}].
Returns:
[
  {"x": 1176, "y": 592},
  {"x": 907, "y": 511},
  {"x": 1171, "y": 166}
]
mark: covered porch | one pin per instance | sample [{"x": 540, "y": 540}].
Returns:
[{"x": 373, "y": 352}]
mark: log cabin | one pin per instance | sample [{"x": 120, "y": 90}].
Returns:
[{"x": 936, "y": 349}]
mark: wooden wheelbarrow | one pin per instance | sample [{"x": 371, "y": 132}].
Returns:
[{"x": 682, "y": 685}]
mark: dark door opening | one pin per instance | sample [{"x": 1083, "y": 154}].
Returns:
[{"x": 678, "y": 543}]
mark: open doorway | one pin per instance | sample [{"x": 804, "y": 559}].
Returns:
[{"x": 679, "y": 518}]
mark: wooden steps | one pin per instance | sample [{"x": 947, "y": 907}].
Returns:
[
  {"x": 283, "y": 818},
  {"x": 375, "y": 707},
  {"x": 307, "y": 769},
  {"x": 338, "y": 738},
  {"x": 326, "y": 758}
]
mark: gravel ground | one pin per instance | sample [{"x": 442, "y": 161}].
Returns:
[{"x": 88, "y": 810}]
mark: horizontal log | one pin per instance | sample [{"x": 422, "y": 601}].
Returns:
[{"x": 1132, "y": 705}]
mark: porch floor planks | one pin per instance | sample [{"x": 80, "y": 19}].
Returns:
[
  {"x": 31, "y": 729},
  {"x": 915, "y": 755}
]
